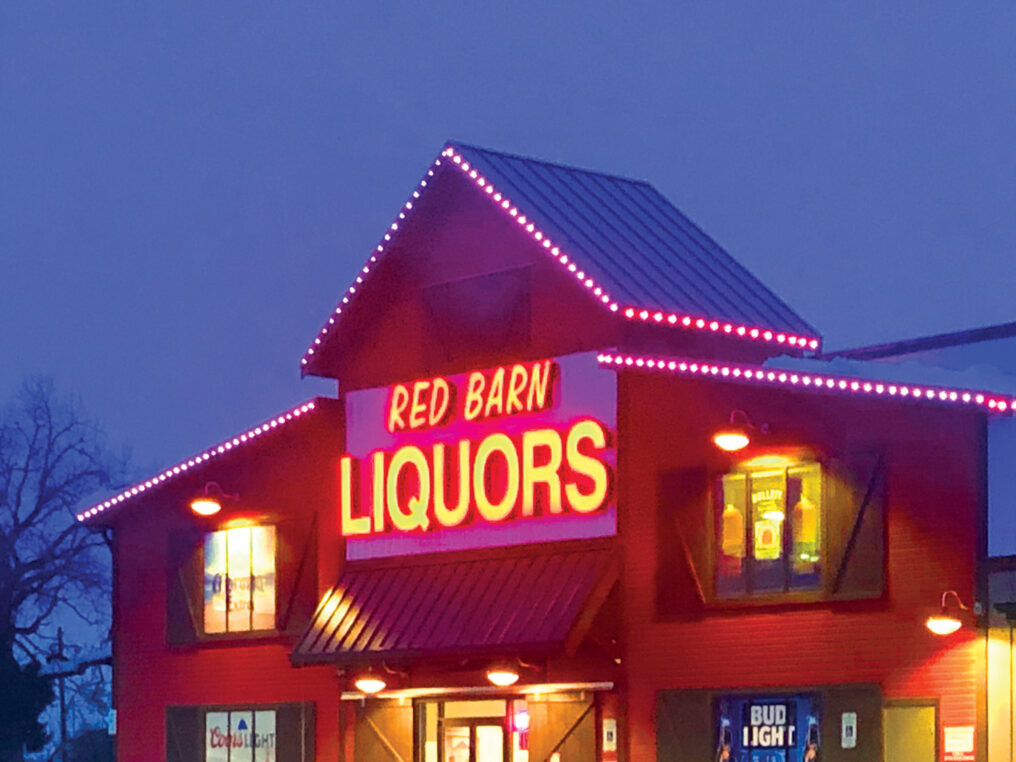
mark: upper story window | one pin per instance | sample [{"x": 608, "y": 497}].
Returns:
[
  {"x": 769, "y": 526},
  {"x": 780, "y": 528},
  {"x": 239, "y": 580},
  {"x": 249, "y": 582}
]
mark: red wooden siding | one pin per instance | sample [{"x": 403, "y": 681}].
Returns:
[
  {"x": 290, "y": 475},
  {"x": 934, "y": 510}
]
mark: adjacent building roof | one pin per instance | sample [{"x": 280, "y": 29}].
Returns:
[
  {"x": 812, "y": 375},
  {"x": 512, "y": 602},
  {"x": 924, "y": 343},
  {"x": 628, "y": 246}
]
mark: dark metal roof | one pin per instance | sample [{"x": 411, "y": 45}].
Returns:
[
  {"x": 635, "y": 242},
  {"x": 517, "y": 601},
  {"x": 634, "y": 251},
  {"x": 923, "y": 343}
]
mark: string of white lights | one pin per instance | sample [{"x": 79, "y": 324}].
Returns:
[
  {"x": 817, "y": 381},
  {"x": 185, "y": 465}
]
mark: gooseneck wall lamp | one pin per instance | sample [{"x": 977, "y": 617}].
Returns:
[
  {"x": 737, "y": 435},
  {"x": 506, "y": 672},
  {"x": 944, "y": 622},
  {"x": 502, "y": 674},
  {"x": 370, "y": 682},
  {"x": 209, "y": 502}
]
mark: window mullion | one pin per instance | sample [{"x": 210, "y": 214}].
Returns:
[
  {"x": 749, "y": 528},
  {"x": 250, "y": 579},
  {"x": 787, "y": 539},
  {"x": 227, "y": 582}
]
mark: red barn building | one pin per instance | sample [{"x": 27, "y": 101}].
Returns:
[{"x": 512, "y": 535}]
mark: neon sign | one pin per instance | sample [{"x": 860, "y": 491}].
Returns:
[
  {"x": 485, "y": 451},
  {"x": 520, "y": 388}
]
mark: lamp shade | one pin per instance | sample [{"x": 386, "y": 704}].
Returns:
[
  {"x": 942, "y": 624},
  {"x": 502, "y": 676},
  {"x": 731, "y": 439},
  {"x": 370, "y": 684},
  {"x": 945, "y": 623},
  {"x": 205, "y": 506}
]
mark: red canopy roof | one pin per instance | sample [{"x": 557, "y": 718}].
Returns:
[{"x": 515, "y": 601}]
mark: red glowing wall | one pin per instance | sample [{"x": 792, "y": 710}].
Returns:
[
  {"x": 934, "y": 521},
  {"x": 285, "y": 476}
]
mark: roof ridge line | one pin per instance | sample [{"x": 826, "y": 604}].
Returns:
[{"x": 546, "y": 163}]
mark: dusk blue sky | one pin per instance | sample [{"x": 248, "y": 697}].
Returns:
[{"x": 186, "y": 189}]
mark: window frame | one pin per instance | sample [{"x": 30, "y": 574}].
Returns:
[
  {"x": 790, "y": 595},
  {"x": 420, "y": 722},
  {"x": 295, "y": 728},
  {"x": 251, "y": 709},
  {"x": 237, "y": 635}
]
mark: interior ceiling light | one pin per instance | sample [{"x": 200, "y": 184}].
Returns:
[
  {"x": 945, "y": 623},
  {"x": 521, "y": 720}
]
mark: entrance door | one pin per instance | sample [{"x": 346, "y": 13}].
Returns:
[
  {"x": 910, "y": 733},
  {"x": 473, "y": 741}
]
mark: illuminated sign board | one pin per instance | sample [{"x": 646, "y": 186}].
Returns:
[
  {"x": 240, "y": 736},
  {"x": 768, "y": 728},
  {"x": 501, "y": 456}
]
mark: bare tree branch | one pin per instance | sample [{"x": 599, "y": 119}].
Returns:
[
  {"x": 81, "y": 667},
  {"x": 52, "y": 459}
]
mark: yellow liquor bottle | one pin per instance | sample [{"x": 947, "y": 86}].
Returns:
[
  {"x": 732, "y": 531},
  {"x": 804, "y": 518}
]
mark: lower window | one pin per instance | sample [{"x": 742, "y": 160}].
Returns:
[
  {"x": 240, "y": 736},
  {"x": 768, "y": 729},
  {"x": 240, "y": 733}
]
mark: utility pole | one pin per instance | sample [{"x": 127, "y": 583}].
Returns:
[
  {"x": 56, "y": 653},
  {"x": 63, "y": 703}
]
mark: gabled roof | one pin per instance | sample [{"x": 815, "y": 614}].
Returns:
[{"x": 634, "y": 252}]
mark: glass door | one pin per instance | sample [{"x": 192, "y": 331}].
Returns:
[
  {"x": 471, "y": 730},
  {"x": 473, "y": 740}
]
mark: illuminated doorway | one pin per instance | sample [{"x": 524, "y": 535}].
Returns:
[{"x": 486, "y": 730}]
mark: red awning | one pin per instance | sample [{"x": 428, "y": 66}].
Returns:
[{"x": 519, "y": 600}]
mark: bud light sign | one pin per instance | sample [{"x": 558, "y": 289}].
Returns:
[{"x": 768, "y": 729}]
